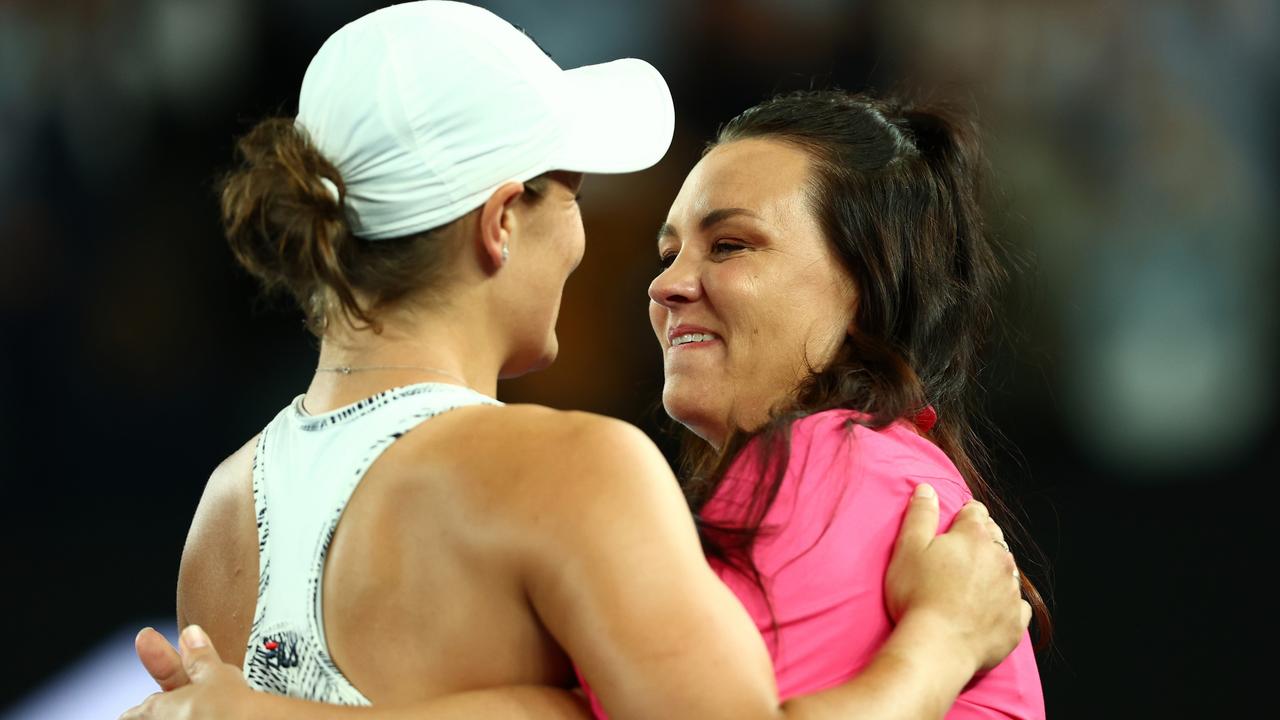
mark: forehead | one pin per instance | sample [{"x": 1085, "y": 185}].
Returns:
[{"x": 767, "y": 177}]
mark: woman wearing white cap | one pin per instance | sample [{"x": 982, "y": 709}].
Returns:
[{"x": 397, "y": 536}]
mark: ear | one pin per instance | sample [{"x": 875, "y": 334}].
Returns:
[{"x": 498, "y": 223}]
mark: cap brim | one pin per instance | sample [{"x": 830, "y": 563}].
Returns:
[{"x": 619, "y": 117}]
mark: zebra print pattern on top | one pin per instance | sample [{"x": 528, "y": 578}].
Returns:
[{"x": 305, "y": 469}]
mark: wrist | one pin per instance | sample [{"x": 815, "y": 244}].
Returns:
[
  {"x": 929, "y": 642},
  {"x": 916, "y": 674}
]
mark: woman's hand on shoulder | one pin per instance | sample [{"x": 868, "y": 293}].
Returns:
[{"x": 964, "y": 580}]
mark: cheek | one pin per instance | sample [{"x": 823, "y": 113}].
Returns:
[
  {"x": 580, "y": 241},
  {"x": 752, "y": 307},
  {"x": 780, "y": 319},
  {"x": 826, "y": 322},
  {"x": 567, "y": 238},
  {"x": 657, "y": 320}
]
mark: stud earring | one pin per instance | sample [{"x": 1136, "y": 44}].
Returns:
[{"x": 506, "y": 252}]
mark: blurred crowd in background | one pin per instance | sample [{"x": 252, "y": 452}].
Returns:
[{"x": 1135, "y": 162}]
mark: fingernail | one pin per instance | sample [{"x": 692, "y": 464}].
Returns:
[
  {"x": 924, "y": 490},
  {"x": 194, "y": 637},
  {"x": 135, "y": 637}
]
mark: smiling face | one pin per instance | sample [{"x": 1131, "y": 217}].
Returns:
[{"x": 751, "y": 297}]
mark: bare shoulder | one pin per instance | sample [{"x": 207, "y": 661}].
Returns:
[
  {"x": 235, "y": 467},
  {"x": 534, "y": 441},
  {"x": 538, "y": 423},
  {"x": 228, "y": 490},
  {"x": 219, "y": 560},
  {"x": 227, "y": 498},
  {"x": 530, "y": 464}
]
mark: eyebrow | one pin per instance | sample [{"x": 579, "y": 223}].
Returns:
[{"x": 710, "y": 219}]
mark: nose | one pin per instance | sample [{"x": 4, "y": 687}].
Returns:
[{"x": 677, "y": 284}]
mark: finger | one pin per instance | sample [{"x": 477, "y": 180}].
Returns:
[
  {"x": 1025, "y": 617},
  {"x": 997, "y": 537},
  {"x": 160, "y": 659},
  {"x": 972, "y": 519},
  {"x": 198, "y": 654},
  {"x": 921, "y": 522},
  {"x": 996, "y": 533}
]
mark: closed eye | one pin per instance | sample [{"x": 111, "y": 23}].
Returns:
[{"x": 724, "y": 247}]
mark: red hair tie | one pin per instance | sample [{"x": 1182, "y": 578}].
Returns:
[{"x": 926, "y": 419}]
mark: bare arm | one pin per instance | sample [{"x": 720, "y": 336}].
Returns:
[
  {"x": 613, "y": 567},
  {"x": 625, "y": 589},
  {"x": 917, "y": 674},
  {"x": 198, "y": 686}
]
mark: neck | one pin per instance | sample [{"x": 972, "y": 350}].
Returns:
[{"x": 412, "y": 348}]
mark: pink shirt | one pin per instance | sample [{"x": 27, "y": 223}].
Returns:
[{"x": 829, "y": 536}]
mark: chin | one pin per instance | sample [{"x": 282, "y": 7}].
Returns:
[
  {"x": 693, "y": 411},
  {"x": 550, "y": 352},
  {"x": 532, "y": 361},
  {"x": 543, "y": 362}
]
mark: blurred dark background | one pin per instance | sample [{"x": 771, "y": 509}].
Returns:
[{"x": 1134, "y": 144}]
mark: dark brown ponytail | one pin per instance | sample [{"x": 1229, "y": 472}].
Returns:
[{"x": 285, "y": 227}]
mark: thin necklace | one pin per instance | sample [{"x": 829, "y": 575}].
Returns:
[{"x": 347, "y": 370}]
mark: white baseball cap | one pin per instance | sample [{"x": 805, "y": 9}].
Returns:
[{"x": 426, "y": 108}]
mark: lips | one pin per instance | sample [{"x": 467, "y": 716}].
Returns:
[{"x": 686, "y": 335}]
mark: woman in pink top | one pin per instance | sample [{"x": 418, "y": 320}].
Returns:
[
  {"x": 826, "y": 288},
  {"x": 829, "y": 535}
]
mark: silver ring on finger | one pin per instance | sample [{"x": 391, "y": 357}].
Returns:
[{"x": 1002, "y": 544}]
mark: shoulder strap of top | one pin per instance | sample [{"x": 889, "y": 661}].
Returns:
[{"x": 305, "y": 470}]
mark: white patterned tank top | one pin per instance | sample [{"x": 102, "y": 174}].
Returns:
[{"x": 304, "y": 471}]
